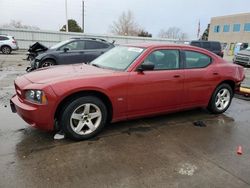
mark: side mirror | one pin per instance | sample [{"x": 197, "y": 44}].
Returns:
[
  {"x": 65, "y": 49},
  {"x": 146, "y": 66}
]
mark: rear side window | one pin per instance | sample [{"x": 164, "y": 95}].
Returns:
[
  {"x": 4, "y": 38},
  {"x": 95, "y": 45},
  {"x": 215, "y": 46},
  {"x": 196, "y": 60}
]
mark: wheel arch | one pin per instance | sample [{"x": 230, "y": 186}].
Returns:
[
  {"x": 48, "y": 58},
  {"x": 78, "y": 94},
  {"x": 231, "y": 83},
  {"x": 7, "y": 46}
]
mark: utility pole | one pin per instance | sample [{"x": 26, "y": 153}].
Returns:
[
  {"x": 83, "y": 16},
  {"x": 66, "y": 13}
]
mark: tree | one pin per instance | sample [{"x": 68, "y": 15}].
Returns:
[
  {"x": 73, "y": 26},
  {"x": 206, "y": 33},
  {"x": 19, "y": 25},
  {"x": 143, "y": 33},
  {"x": 173, "y": 33},
  {"x": 125, "y": 25}
]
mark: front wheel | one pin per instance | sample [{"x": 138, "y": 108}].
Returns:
[
  {"x": 221, "y": 99},
  {"x": 83, "y": 117},
  {"x": 47, "y": 63}
]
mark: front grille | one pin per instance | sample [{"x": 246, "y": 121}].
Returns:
[{"x": 242, "y": 59}]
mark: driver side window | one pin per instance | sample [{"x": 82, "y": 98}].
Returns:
[
  {"x": 75, "y": 45},
  {"x": 164, "y": 59}
]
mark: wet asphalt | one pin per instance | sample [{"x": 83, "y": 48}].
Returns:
[{"x": 163, "y": 151}]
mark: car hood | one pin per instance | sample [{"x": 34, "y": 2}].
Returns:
[
  {"x": 244, "y": 52},
  {"x": 63, "y": 72}
]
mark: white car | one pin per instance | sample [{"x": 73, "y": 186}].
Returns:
[{"x": 8, "y": 44}]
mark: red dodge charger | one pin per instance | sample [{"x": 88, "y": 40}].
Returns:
[{"x": 127, "y": 82}]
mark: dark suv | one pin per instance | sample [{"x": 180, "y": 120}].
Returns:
[
  {"x": 213, "y": 46},
  {"x": 74, "y": 50}
]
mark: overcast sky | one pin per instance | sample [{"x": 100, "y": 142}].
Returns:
[{"x": 152, "y": 15}]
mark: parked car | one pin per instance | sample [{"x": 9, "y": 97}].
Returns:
[
  {"x": 126, "y": 82},
  {"x": 74, "y": 50},
  {"x": 240, "y": 46},
  {"x": 8, "y": 44},
  {"x": 242, "y": 57},
  {"x": 213, "y": 46}
]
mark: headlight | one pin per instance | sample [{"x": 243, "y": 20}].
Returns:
[{"x": 36, "y": 96}]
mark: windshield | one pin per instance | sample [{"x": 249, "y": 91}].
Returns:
[
  {"x": 59, "y": 44},
  {"x": 118, "y": 58}
]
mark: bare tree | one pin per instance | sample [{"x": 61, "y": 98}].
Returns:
[
  {"x": 125, "y": 25},
  {"x": 173, "y": 33},
  {"x": 19, "y": 25}
]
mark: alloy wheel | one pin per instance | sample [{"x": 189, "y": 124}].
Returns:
[
  {"x": 85, "y": 119},
  {"x": 222, "y": 99},
  {"x": 6, "y": 50}
]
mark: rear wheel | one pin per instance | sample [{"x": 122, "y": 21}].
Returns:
[
  {"x": 48, "y": 62},
  {"x": 221, "y": 99},
  {"x": 83, "y": 117},
  {"x": 6, "y": 50}
]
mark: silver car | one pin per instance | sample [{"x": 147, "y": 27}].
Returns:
[
  {"x": 243, "y": 57},
  {"x": 8, "y": 44}
]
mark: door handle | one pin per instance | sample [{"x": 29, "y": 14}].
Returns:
[
  {"x": 177, "y": 76},
  {"x": 215, "y": 73}
]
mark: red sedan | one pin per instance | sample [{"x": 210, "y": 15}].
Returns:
[{"x": 127, "y": 82}]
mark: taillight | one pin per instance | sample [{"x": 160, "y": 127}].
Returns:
[{"x": 13, "y": 40}]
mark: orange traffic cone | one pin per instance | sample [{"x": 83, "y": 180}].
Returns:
[{"x": 239, "y": 150}]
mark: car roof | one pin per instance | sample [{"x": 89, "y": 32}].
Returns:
[
  {"x": 3, "y": 35},
  {"x": 89, "y": 38},
  {"x": 162, "y": 45},
  {"x": 155, "y": 45},
  {"x": 204, "y": 41}
]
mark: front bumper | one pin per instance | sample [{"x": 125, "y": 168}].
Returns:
[
  {"x": 242, "y": 63},
  {"x": 36, "y": 115}
]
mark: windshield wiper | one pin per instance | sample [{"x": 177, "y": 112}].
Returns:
[{"x": 95, "y": 65}]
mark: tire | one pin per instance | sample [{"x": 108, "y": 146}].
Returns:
[
  {"x": 83, "y": 118},
  {"x": 47, "y": 63},
  {"x": 221, "y": 99},
  {"x": 6, "y": 50}
]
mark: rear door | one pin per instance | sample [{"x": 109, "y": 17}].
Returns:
[
  {"x": 3, "y": 40},
  {"x": 200, "y": 77},
  {"x": 157, "y": 90}
]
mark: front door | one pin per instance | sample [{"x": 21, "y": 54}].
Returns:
[
  {"x": 74, "y": 54},
  {"x": 156, "y": 90}
]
